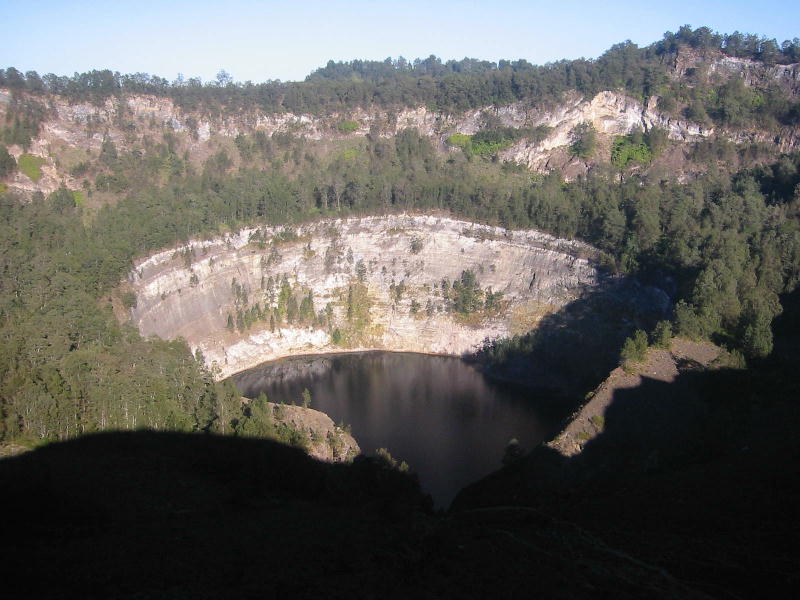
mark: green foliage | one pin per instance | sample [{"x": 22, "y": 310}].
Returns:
[
  {"x": 488, "y": 142},
  {"x": 24, "y": 116},
  {"x": 386, "y": 460},
  {"x": 634, "y": 350},
  {"x": 584, "y": 141},
  {"x": 730, "y": 243},
  {"x": 7, "y": 163},
  {"x": 624, "y": 152},
  {"x": 460, "y": 140},
  {"x": 466, "y": 294},
  {"x": 347, "y": 126},
  {"x": 31, "y": 166},
  {"x": 662, "y": 335},
  {"x": 599, "y": 421},
  {"x": 129, "y": 299}
]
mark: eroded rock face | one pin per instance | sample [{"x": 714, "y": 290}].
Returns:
[
  {"x": 81, "y": 127},
  {"x": 190, "y": 291},
  {"x": 610, "y": 113}
]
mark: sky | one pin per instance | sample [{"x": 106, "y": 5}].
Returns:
[{"x": 258, "y": 41}]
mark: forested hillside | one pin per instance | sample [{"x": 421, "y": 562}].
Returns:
[
  {"x": 452, "y": 85},
  {"x": 728, "y": 238}
]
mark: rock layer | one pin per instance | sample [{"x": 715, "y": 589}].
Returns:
[{"x": 190, "y": 291}]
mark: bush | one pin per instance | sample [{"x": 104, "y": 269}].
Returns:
[
  {"x": 634, "y": 350},
  {"x": 624, "y": 152},
  {"x": 662, "y": 335},
  {"x": 31, "y": 166},
  {"x": 129, "y": 299},
  {"x": 347, "y": 126},
  {"x": 459, "y": 140},
  {"x": 7, "y": 162}
]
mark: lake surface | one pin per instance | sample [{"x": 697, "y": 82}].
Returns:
[{"x": 439, "y": 414}]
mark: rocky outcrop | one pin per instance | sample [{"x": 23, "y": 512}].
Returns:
[
  {"x": 399, "y": 261},
  {"x": 326, "y": 441},
  {"x": 610, "y": 113}
]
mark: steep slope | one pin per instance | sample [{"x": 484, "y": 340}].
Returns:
[
  {"x": 395, "y": 283},
  {"x": 72, "y": 133}
]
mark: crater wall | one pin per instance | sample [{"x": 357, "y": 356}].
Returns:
[{"x": 393, "y": 265}]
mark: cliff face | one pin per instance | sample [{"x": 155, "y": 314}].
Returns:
[
  {"x": 74, "y": 132},
  {"x": 377, "y": 281}
]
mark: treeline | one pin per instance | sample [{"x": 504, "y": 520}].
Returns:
[{"x": 447, "y": 86}]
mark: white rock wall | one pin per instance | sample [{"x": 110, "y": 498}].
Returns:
[{"x": 530, "y": 268}]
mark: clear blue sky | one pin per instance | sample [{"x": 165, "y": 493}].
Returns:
[{"x": 286, "y": 40}]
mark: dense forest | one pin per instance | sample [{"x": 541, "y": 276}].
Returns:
[
  {"x": 729, "y": 241},
  {"x": 457, "y": 85}
]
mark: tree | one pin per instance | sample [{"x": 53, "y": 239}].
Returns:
[
  {"x": 634, "y": 350},
  {"x": 584, "y": 140},
  {"x": 662, "y": 335},
  {"x": 7, "y": 163}
]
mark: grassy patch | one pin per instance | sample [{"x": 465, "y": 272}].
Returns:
[
  {"x": 460, "y": 140},
  {"x": 347, "y": 126},
  {"x": 31, "y": 166},
  {"x": 79, "y": 198},
  {"x": 599, "y": 421},
  {"x": 350, "y": 155}
]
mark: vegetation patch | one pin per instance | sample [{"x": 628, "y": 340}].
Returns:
[
  {"x": 599, "y": 421},
  {"x": 488, "y": 142},
  {"x": 347, "y": 126},
  {"x": 634, "y": 350},
  {"x": 31, "y": 166},
  {"x": 584, "y": 141},
  {"x": 624, "y": 152}
]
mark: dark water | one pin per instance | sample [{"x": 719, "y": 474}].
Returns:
[{"x": 439, "y": 414}]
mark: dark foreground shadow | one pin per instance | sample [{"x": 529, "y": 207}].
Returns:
[
  {"x": 700, "y": 476},
  {"x": 153, "y": 515},
  {"x": 691, "y": 491}
]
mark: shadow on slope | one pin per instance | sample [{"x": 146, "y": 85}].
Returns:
[
  {"x": 700, "y": 476},
  {"x": 573, "y": 349},
  {"x": 154, "y": 515}
]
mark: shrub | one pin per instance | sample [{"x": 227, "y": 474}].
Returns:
[
  {"x": 7, "y": 162},
  {"x": 459, "y": 140},
  {"x": 347, "y": 126},
  {"x": 129, "y": 299},
  {"x": 625, "y": 151},
  {"x": 634, "y": 350},
  {"x": 31, "y": 166},
  {"x": 662, "y": 335},
  {"x": 599, "y": 421}
]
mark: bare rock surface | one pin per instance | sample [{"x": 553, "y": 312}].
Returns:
[{"x": 190, "y": 291}]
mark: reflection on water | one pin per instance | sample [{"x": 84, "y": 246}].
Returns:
[{"x": 439, "y": 414}]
